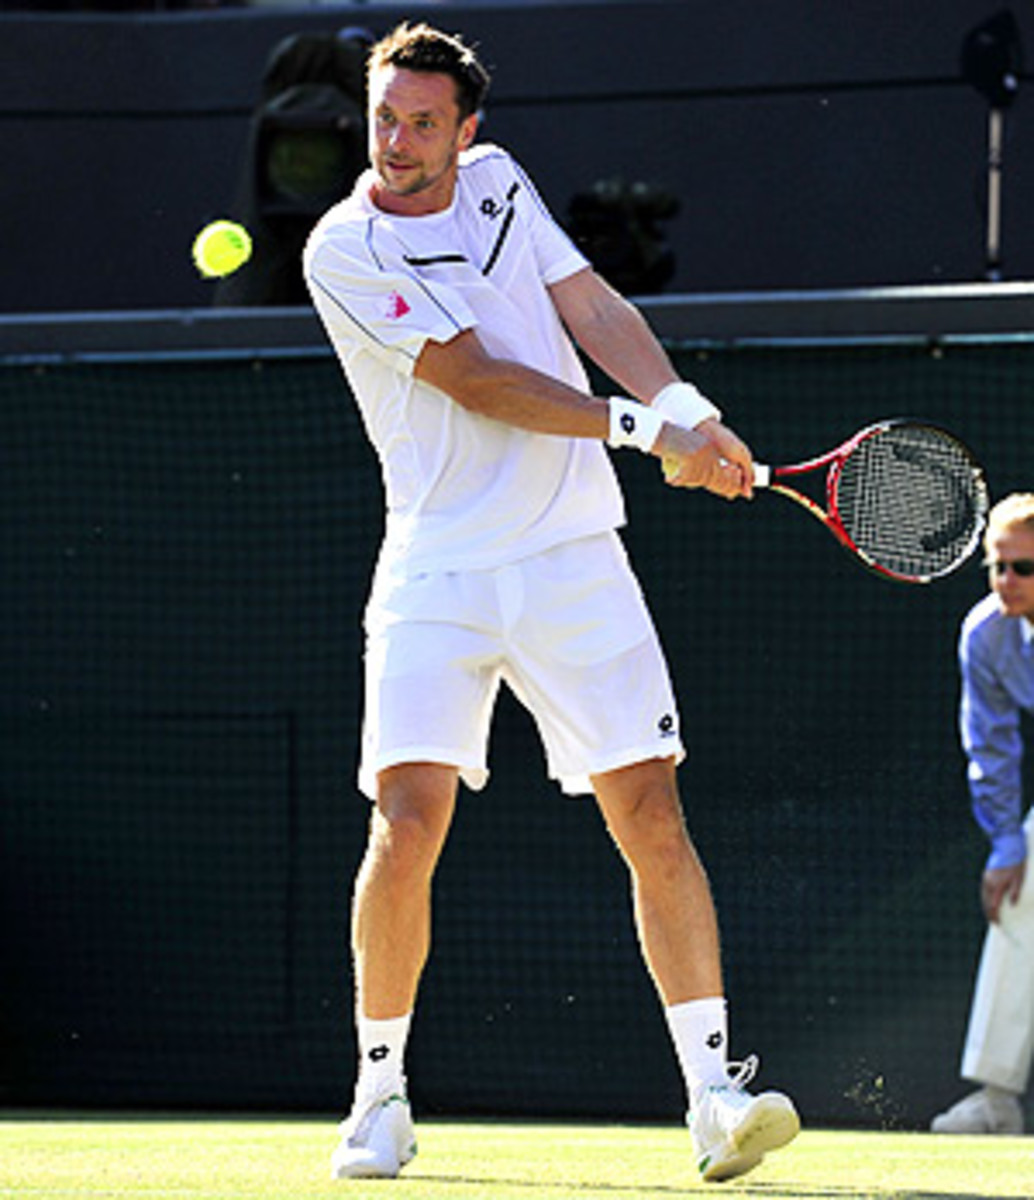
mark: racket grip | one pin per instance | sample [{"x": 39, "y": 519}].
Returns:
[{"x": 762, "y": 475}]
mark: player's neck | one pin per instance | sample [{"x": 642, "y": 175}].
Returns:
[{"x": 424, "y": 203}]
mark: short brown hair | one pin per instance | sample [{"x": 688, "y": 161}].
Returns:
[{"x": 424, "y": 48}]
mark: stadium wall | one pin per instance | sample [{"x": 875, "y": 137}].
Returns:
[
  {"x": 810, "y": 146},
  {"x": 187, "y": 532}
]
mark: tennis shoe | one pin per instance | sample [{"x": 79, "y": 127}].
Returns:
[
  {"x": 732, "y": 1130},
  {"x": 982, "y": 1111},
  {"x": 377, "y": 1139}
]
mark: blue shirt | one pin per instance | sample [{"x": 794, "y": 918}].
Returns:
[{"x": 996, "y": 659}]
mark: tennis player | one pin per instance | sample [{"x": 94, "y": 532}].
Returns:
[
  {"x": 996, "y": 658},
  {"x": 451, "y": 298}
]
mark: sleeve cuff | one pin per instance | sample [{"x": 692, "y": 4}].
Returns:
[{"x": 1007, "y": 850}]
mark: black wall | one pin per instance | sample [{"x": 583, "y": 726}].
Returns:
[
  {"x": 811, "y": 145},
  {"x": 186, "y": 546}
]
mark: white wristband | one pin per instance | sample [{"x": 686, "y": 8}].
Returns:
[
  {"x": 633, "y": 424},
  {"x": 682, "y": 404}
]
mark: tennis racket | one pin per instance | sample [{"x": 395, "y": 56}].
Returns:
[{"x": 906, "y": 498}]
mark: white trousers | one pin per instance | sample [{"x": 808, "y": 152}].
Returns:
[{"x": 1000, "y": 1038}]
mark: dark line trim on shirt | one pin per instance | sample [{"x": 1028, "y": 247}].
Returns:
[
  {"x": 434, "y": 259},
  {"x": 415, "y": 279},
  {"x": 504, "y": 232},
  {"x": 335, "y": 300},
  {"x": 537, "y": 200},
  {"x": 343, "y": 308},
  {"x": 369, "y": 243}
]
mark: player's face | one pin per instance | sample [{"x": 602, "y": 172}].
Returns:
[
  {"x": 415, "y": 138},
  {"x": 1015, "y": 592}
]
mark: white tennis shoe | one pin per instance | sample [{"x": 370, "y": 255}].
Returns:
[
  {"x": 982, "y": 1111},
  {"x": 377, "y": 1140},
  {"x": 732, "y": 1130}
]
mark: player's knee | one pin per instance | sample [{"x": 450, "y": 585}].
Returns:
[
  {"x": 665, "y": 850},
  {"x": 404, "y": 844},
  {"x": 407, "y": 834},
  {"x": 651, "y": 830}
]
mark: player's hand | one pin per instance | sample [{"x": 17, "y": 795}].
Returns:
[
  {"x": 998, "y": 885},
  {"x": 710, "y": 456}
]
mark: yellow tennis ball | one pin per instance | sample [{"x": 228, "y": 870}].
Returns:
[{"x": 220, "y": 248}]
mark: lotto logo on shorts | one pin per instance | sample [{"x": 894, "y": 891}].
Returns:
[{"x": 666, "y": 725}]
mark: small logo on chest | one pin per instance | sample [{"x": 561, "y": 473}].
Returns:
[{"x": 397, "y": 307}]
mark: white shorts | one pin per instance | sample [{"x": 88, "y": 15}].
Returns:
[{"x": 567, "y": 630}]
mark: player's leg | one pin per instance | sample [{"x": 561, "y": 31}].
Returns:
[
  {"x": 430, "y": 687},
  {"x": 674, "y": 913},
  {"x": 391, "y": 937},
  {"x": 732, "y": 1130},
  {"x": 585, "y": 659},
  {"x": 391, "y": 911}
]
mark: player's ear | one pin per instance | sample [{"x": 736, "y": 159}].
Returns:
[{"x": 468, "y": 129}]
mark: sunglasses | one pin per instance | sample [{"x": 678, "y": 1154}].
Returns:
[{"x": 1023, "y": 567}]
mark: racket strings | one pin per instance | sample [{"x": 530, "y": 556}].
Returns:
[{"x": 912, "y": 500}]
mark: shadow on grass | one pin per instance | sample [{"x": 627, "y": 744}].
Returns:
[{"x": 770, "y": 1191}]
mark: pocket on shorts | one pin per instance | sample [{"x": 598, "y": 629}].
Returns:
[
  {"x": 455, "y": 598},
  {"x": 588, "y": 606}
]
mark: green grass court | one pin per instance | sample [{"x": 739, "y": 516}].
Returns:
[{"x": 68, "y": 1155}]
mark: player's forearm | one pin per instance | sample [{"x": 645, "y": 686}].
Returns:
[
  {"x": 620, "y": 342},
  {"x": 614, "y": 333},
  {"x": 510, "y": 392},
  {"x": 520, "y": 396}
]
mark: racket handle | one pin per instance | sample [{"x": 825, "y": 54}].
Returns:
[{"x": 762, "y": 473}]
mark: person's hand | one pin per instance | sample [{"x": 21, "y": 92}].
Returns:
[
  {"x": 710, "y": 456},
  {"x": 998, "y": 885}
]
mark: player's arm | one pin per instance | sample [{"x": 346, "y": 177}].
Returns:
[
  {"x": 618, "y": 339},
  {"x": 518, "y": 395},
  {"x": 613, "y": 333}
]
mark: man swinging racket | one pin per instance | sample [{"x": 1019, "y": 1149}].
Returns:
[{"x": 450, "y": 295}]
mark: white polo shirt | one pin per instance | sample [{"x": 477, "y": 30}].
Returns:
[{"x": 463, "y": 491}]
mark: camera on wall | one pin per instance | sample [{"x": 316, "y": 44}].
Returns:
[
  {"x": 617, "y": 226},
  {"x": 306, "y": 147}
]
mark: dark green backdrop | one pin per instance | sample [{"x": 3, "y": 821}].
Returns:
[{"x": 185, "y": 547}]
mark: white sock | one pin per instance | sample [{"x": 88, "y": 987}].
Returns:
[
  {"x": 699, "y": 1030},
  {"x": 382, "y": 1050}
]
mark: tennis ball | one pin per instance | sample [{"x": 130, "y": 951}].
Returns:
[{"x": 220, "y": 248}]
